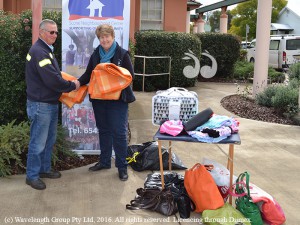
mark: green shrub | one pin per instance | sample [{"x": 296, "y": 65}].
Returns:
[
  {"x": 243, "y": 55},
  {"x": 285, "y": 98},
  {"x": 225, "y": 48},
  {"x": 275, "y": 76},
  {"x": 243, "y": 70},
  {"x": 13, "y": 143},
  {"x": 159, "y": 43},
  {"x": 14, "y": 140},
  {"x": 265, "y": 98},
  {"x": 294, "y": 71}
]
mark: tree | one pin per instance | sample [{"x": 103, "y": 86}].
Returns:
[
  {"x": 214, "y": 20},
  {"x": 246, "y": 13}
]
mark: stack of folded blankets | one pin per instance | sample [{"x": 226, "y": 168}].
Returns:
[
  {"x": 73, "y": 97},
  {"x": 108, "y": 80}
]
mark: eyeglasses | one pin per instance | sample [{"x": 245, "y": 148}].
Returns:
[{"x": 51, "y": 32}]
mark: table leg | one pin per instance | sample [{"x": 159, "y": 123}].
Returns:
[
  {"x": 170, "y": 155},
  {"x": 161, "y": 165},
  {"x": 230, "y": 168}
]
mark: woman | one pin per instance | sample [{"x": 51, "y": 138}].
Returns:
[{"x": 111, "y": 115}]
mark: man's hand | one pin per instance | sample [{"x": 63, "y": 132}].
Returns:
[{"x": 77, "y": 83}]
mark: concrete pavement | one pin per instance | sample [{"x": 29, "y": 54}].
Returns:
[{"x": 269, "y": 152}]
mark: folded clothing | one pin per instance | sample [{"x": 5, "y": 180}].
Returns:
[
  {"x": 199, "y": 119},
  {"x": 172, "y": 127}
]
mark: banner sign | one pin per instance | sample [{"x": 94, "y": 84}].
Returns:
[{"x": 79, "y": 21}]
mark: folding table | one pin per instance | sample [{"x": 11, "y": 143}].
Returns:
[{"x": 232, "y": 140}]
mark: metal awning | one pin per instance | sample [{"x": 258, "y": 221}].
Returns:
[
  {"x": 281, "y": 27},
  {"x": 193, "y": 4},
  {"x": 219, "y": 5}
]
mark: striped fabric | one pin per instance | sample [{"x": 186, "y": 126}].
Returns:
[
  {"x": 73, "y": 97},
  {"x": 108, "y": 80}
]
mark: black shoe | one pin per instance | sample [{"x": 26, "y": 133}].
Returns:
[
  {"x": 98, "y": 166},
  {"x": 36, "y": 184},
  {"x": 52, "y": 174},
  {"x": 123, "y": 175}
]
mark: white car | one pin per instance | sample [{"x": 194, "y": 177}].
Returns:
[{"x": 284, "y": 50}]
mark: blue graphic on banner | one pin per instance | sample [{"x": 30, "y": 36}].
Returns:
[{"x": 96, "y": 9}]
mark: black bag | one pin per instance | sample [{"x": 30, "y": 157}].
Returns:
[
  {"x": 146, "y": 157},
  {"x": 174, "y": 182},
  {"x": 157, "y": 200}
]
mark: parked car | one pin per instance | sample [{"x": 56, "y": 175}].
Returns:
[
  {"x": 244, "y": 44},
  {"x": 284, "y": 50}
]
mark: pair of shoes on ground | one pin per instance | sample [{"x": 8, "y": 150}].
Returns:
[
  {"x": 39, "y": 184},
  {"x": 123, "y": 175}
]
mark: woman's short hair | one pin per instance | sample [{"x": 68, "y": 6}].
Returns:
[{"x": 105, "y": 29}]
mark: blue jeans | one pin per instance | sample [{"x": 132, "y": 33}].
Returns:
[
  {"x": 43, "y": 129},
  {"x": 111, "y": 121}
]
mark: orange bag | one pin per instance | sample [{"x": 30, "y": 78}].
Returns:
[
  {"x": 202, "y": 188},
  {"x": 108, "y": 80},
  {"x": 73, "y": 97}
]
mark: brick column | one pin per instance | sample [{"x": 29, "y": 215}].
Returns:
[
  {"x": 36, "y": 6},
  {"x": 223, "y": 20},
  {"x": 201, "y": 23}
]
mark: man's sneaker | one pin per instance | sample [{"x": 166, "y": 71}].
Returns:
[
  {"x": 98, "y": 166},
  {"x": 52, "y": 174},
  {"x": 123, "y": 175},
  {"x": 36, "y": 184}
]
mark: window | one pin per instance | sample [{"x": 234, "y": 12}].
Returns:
[
  {"x": 252, "y": 45},
  {"x": 274, "y": 45},
  {"x": 152, "y": 14},
  {"x": 293, "y": 44},
  {"x": 54, "y": 5}
]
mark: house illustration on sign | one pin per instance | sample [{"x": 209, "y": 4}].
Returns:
[{"x": 93, "y": 6}]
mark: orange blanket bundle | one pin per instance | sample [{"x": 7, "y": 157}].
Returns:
[
  {"x": 73, "y": 97},
  {"x": 108, "y": 80}
]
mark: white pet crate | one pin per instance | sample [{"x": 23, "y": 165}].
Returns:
[{"x": 174, "y": 104}]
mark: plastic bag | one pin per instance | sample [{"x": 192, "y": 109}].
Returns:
[
  {"x": 146, "y": 157},
  {"x": 270, "y": 209},
  {"x": 226, "y": 215},
  {"x": 221, "y": 176}
]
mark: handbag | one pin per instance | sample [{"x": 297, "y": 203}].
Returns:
[
  {"x": 174, "y": 182},
  {"x": 202, "y": 188},
  {"x": 244, "y": 202},
  {"x": 157, "y": 200}
]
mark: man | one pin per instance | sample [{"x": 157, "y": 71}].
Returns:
[{"x": 44, "y": 87}]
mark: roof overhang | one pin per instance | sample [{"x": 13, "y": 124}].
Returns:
[
  {"x": 281, "y": 27},
  {"x": 193, "y": 4},
  {"x": 219, "y": 5}
]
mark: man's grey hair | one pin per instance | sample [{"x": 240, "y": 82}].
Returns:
[{"x": 46, "y": 21}]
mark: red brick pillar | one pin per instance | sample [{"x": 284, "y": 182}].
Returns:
[{"x": 36, "y": 6}]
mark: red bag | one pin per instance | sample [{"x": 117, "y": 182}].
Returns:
[
  {"x": 202, "y": 188},
  {"x": 271, "y": 211}
]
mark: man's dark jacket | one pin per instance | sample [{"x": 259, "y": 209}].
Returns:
[{"x": 43, "y": 77}]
